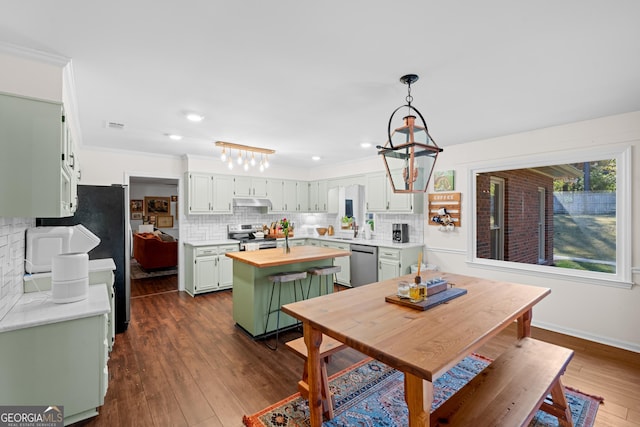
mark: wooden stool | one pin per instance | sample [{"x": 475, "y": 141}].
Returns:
[
  {"x": 330, "y": 270},
  {"x": 279, "y": 279},
  {"x": 327, "y": 348}
]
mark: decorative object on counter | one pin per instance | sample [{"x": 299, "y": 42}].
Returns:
[
  {"x": 245, "y": 163},
  {"x": 444, "y": 210},
  {"x": 409, "y": 148},
  {"x": 330, "y": 230},
  {"x": 321, "y": 230},
  {"x": 284, "y": 225}
]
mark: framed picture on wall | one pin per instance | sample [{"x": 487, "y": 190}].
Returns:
[
  {"x": 149, "y": 219},
  {"x": 154, "y": 205},
  {"x": 165, "y": 221},
  {"x": 136, "y": 206},
  {"x": 174, "y": 198},
  {"x": 443, "y": 181},
  {"x": 136, "y": 215}
]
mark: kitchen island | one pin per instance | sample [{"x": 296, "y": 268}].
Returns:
[{"x": 252, "y": 288}]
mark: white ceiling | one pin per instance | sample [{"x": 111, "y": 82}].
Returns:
[{"x": 308, "y": 78}]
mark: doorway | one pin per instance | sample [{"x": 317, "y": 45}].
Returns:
[{"x": 155, "y": 232}]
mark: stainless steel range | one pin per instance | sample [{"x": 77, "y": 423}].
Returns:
[{"x": 250, "y": 233}]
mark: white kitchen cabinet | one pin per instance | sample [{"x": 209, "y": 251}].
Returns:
[
  {"x": 333, "y": 200},
  {"x": 275, "y": 188},
  {"x": 60, "y": 357},
  {"x": 302, "y": 196},
  {"x": 379, "y": 196},
  {"x": 199, "y": 193},
  {"x": 246, "y": 186},
  {"x": 388, "y": 264},
  {"x": 290, "y": 196},
  {"x": 208, "y": 268},
  {"x": 36, "y": 167},
  {"x": 344, "y": 276},
  {"x": 318, "y": 196},
  {"x": 394, "y": 262},
  {"x": 208, "y": 194},
  {"x": 222, "y": 199}
]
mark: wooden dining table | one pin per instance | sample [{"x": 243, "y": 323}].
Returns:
[{"x": 421, "y": 344}]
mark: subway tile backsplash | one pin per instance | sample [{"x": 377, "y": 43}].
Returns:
[
  {"x": 12, "y": 251},
  {"x": 214, "y": 227}
]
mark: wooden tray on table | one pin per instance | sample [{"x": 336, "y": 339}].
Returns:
[{"x": 437, "y": 293}]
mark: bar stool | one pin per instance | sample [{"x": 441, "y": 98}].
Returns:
[
  {"x": 278, "y": 279},
  {"x": 320, "y": 272}
]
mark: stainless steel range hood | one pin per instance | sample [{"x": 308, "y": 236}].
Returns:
[{"x": 252, "y": 202}]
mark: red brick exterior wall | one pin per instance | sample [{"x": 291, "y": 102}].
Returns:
[{"x": 521, "y": 215}]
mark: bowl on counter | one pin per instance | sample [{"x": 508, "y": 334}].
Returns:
[{"x": 321, "y": 231}]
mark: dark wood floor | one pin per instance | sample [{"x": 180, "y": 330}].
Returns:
[{"x": 182, "y": 362}]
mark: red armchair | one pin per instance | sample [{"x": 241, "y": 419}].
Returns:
[{"x": 152, "y": 252}]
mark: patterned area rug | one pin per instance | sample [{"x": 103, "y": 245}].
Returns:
[
  {"x": 137, "y": 272},
  {"x": 372, "y": 394}
]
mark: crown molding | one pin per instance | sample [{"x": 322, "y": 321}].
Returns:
[{"x": 38, "y": 55}]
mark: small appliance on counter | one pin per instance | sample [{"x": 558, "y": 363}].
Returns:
[
  {"x": 43, "y": 243},
  {"x": 400, "y": 233},
  {"x": 69, "y": 277}
]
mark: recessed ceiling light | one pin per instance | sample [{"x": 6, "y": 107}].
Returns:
[
  {"x": 316, "y": 158},
  {"x": 365, "y": 144},
  {"x": 175, "y": 137},
  {"x": 194, "y": 117}
]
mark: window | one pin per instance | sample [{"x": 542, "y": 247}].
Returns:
[{"x": 565, "y": 217}]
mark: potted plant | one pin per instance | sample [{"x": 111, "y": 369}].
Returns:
[{"x": 347, "y": 222}]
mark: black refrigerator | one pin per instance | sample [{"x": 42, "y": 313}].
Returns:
[{"x": 102, "y": 209}]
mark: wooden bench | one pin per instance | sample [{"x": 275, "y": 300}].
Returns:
[
  {"x": 327, "y": 348},
  {"x": 510, "y": 390}
]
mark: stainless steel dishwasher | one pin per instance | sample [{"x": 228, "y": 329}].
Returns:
[{"x": 364, "y": 264}]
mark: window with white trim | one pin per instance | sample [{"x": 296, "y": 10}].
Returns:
[{"x": 569, "y": 216}]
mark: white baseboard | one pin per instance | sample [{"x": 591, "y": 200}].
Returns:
[{"x": 635, "y": 347}]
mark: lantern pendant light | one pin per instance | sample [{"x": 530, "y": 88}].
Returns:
[{"x": 410, "y": 153}]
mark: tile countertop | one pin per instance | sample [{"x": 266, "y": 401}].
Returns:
[{"x": 37, "y": 308}]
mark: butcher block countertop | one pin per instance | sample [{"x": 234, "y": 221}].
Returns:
[{"x": 276, "y": 256}]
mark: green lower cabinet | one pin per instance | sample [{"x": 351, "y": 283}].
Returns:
[
  {"x": 252, "y": 291},
  {"x": 208, "y": 268},
  {"x": 63, "y": 363}
]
